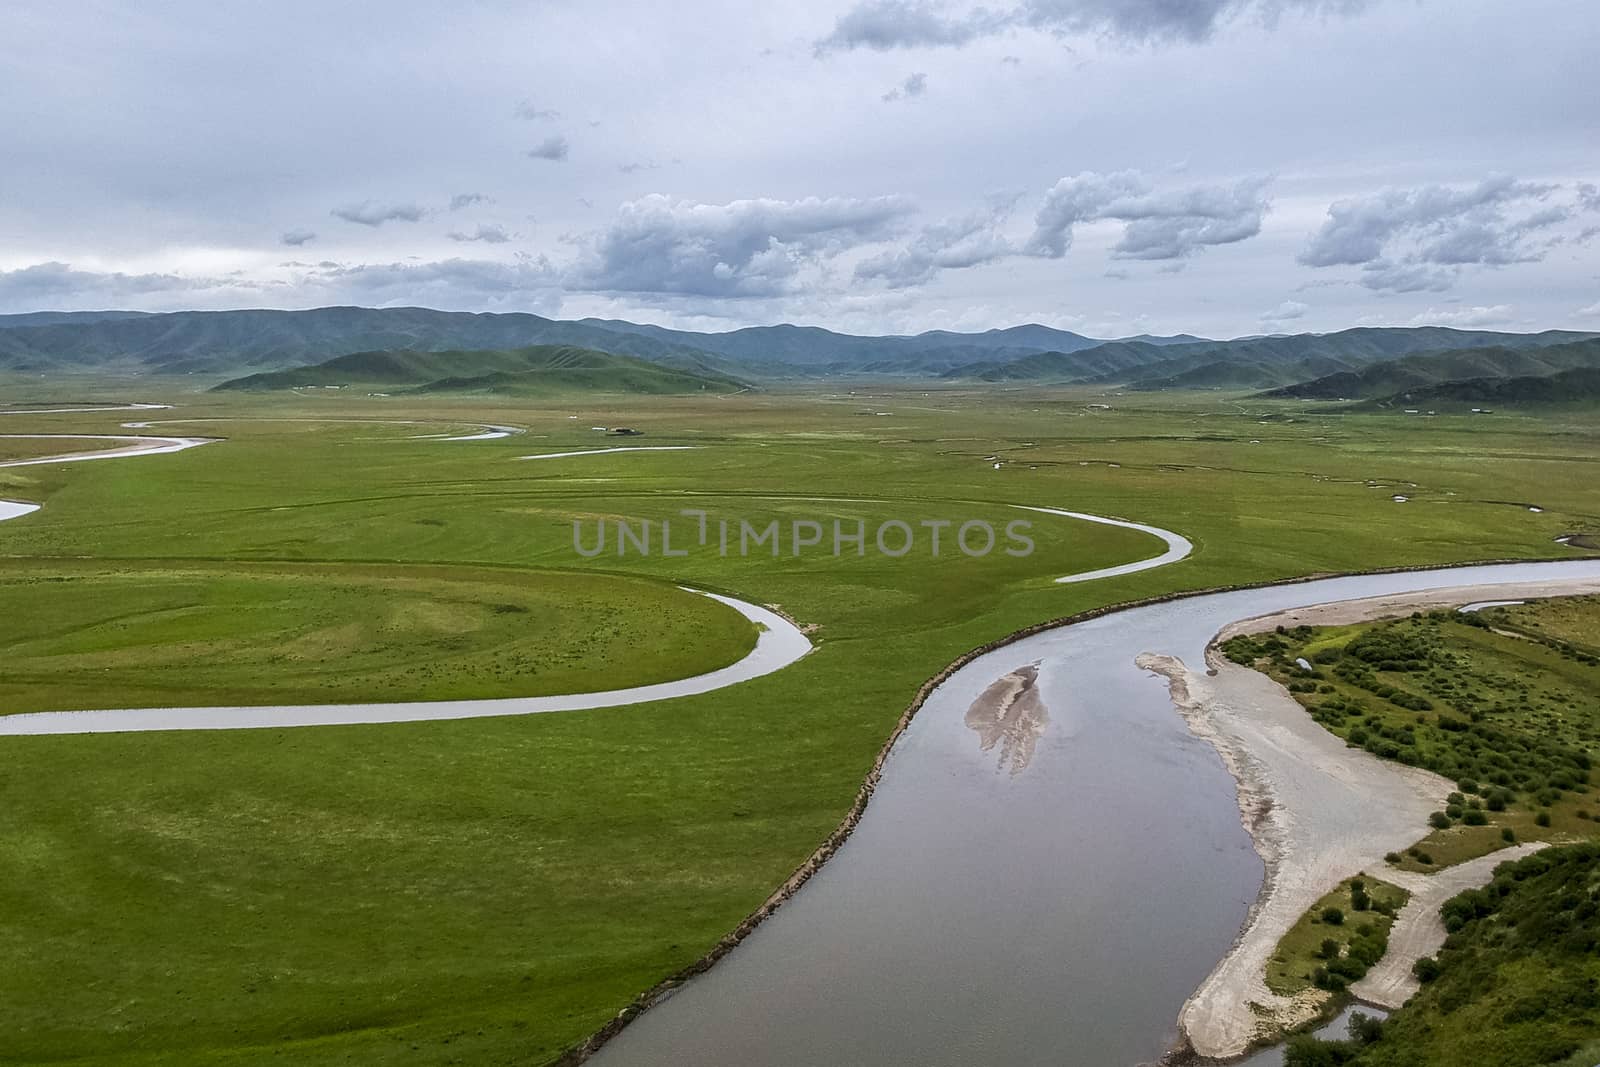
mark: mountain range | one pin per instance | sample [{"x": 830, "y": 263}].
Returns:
[{"x": 1361, "y": 363}]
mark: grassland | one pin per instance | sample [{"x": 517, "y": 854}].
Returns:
[
  {"x": 165, "y": 635},
  {"x": 489, "y": 891}
]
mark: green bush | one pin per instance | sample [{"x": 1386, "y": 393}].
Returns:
[{"x": 1333, "y": 916}]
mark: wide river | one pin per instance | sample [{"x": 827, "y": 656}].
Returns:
[{"x": 1043, "y": 879}]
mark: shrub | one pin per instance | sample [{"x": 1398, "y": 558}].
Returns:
[
  {"x": 1542, "y": 819},
  {"x": 1333, "y": 916},
  {"x": 1439, "y": 821},
  {"x": 1330, "y": 949},
  {"x": 1365, "y": 1029},
  {"x": 1467, "y": 785},
  {"x": 1475, "y": 817},
  {"x": 1508, "y": 835},
  {"x": 1426, "y": 969}
]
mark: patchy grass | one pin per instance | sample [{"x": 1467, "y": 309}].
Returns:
[
  {"x": 1319, "y": 952},
  {"x": 1512, "y": 716}
]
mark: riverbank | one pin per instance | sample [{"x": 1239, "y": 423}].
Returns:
[{"x": 1317, "y": 810}]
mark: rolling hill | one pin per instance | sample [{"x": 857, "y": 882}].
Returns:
[
  {"x": 1246, "y": 363},
  {"x": 1427, "y": 369},
  {"x": 1579, "y": 387},
  {"x": 538, "y": 370}
]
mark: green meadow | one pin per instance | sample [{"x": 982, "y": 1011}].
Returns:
[{"x": 490, "y": 891}]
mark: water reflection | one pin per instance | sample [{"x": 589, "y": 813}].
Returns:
[{"x": 1010, "y": 715}]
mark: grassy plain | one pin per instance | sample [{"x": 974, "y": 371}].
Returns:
[{"x": 490, "y": 891}]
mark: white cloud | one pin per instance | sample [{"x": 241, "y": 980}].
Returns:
[
  {"x": 488, "y": 233},
  {"x": 951, "y": 244},
  {"x": 745, "y": 248},
  {"x": 1407, "y": 240},
  {"x": 1287, "y": 311},
  {"x": 1465, "y": 318},
  {"x": 1164, "y": 225}
]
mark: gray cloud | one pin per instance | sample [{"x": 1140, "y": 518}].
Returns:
[
  {"x": 1385, "y": 277},
  {"x": 882, "y": 25},
  {"x": 551, "y": 148},
  {"x": 1167, "y": 225},
  {"x": 444, "y": 283},
  {"x": 949, "y": 245},
  {"x": 372, "y": 213},
  {"x": 54, "y": 283},
  {"x": 885, "y": 24},
  {"x": 746, "y": 248},
  {"x": 526, "y": 110},
  {"x": 914, "y": 85},
  {"x": 461, "y": 200},
  {"x": 489, "y": 234},
  {"x": 1408, "y": 240},
  {"x": 297, "y": 238}
]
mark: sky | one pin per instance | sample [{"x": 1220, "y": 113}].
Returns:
[{"x": 1114, "y": 167}]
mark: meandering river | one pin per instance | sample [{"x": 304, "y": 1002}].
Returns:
[{"x": 1056, "y": 912}]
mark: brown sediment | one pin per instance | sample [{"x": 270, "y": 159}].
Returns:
[
  {"x": 1010, "y": 714},
  {"x": 582, "y": 1051}
]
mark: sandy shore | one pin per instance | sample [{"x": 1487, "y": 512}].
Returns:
[
  {"x": 1318, "y": 812},
  {"x": 1418, "y": 929}
]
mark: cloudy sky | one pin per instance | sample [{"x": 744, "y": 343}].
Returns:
[{"x": 1221, "y": 167}]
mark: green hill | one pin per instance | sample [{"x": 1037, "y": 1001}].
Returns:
[
  {"x": 1570, "y": 388},
  {"x": 1517, "y": 984},
  {"x": 1245, "y": 363},
  {"x": 1432, "y": 368},
  {"x": 533, "y": 371}
]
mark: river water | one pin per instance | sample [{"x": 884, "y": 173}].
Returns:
[{"x": 1050, "y": 866}]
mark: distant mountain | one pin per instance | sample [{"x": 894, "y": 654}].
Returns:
[
  {"x": 1430, "y": 368},
  {"x": 805, "y": 347},
  {"x": 54, "y": 318},
  {"x": 1579, "y": 387},
  {"x": 226, "y": 342},
  {"x": 221, "y": 344},
  {"x": 1249, "y": 363},
  {"x": 537, "y": 370}
]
